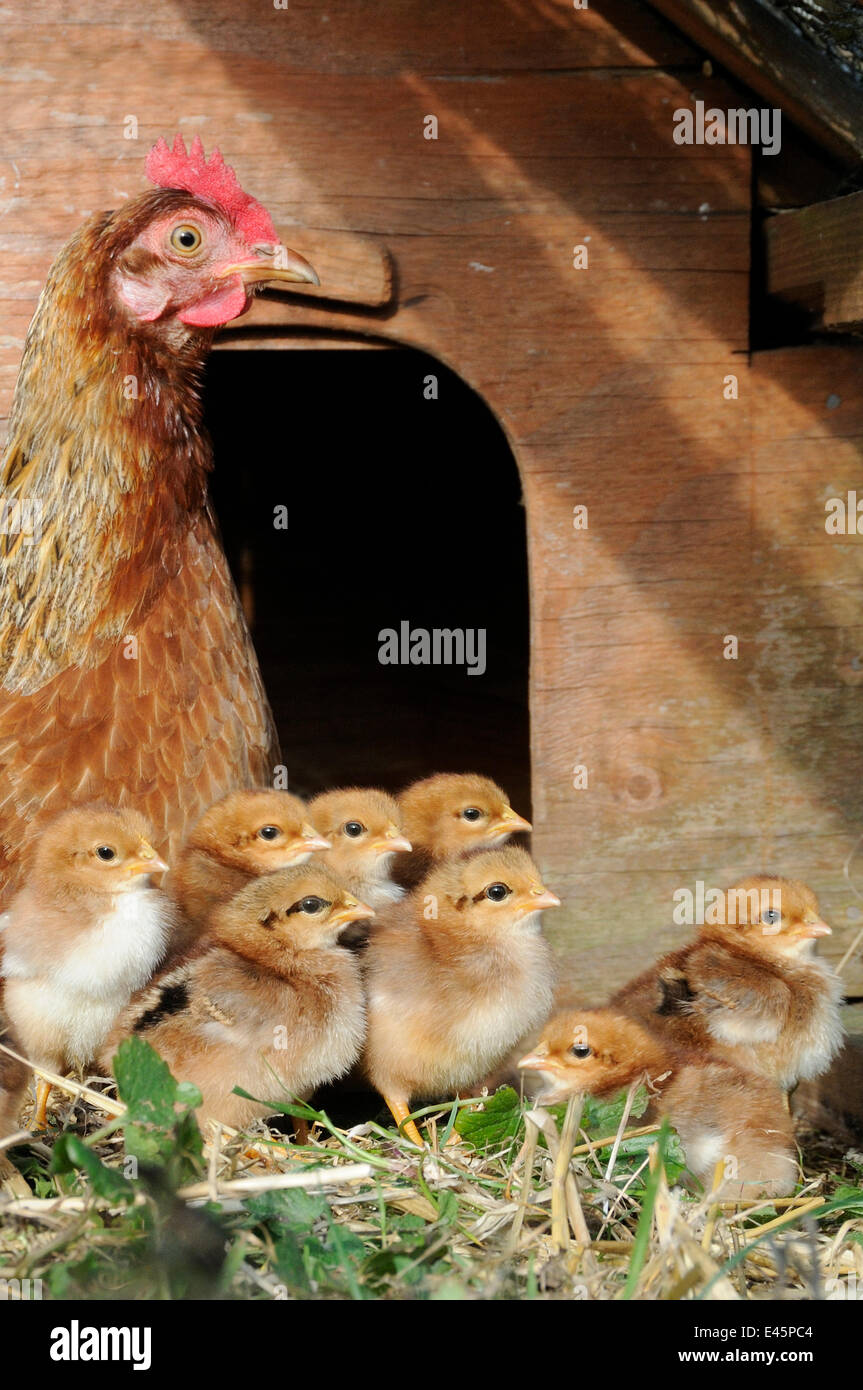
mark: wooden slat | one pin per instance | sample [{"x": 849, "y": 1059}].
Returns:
[
  {"x": 343, "y": 36},
  {"x": 772, "y": 58},
  {"x": 814, "y": 260}
]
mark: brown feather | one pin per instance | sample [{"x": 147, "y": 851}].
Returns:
[{"x": 128, "y": 548}]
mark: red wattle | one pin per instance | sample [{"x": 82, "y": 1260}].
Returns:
[{"x": 221, "y": 307}]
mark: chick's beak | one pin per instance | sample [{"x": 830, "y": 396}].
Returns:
[
  {"x": 535, "y": 1061},
  {"x": 351, "y": 911},
  {"x": 541, "y": 898},
  {"x": 312, "y": 840},
  {"x": 146, "y": 861},
  {"x": 277, "y": 264},
  {"x": 813, "y": 929},
  {"x": 391, "y": 841},
  {"x": 509, "y": 822}
]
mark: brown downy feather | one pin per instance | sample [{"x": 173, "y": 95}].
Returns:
[
  {"x": 749, "y": 989},
  {"x": 724, "y": 1114},
  {"x": 244, "y": 835},
  {"x": 454, "y": 978},
  {"x": 269, "y": 1000},
  {"x": 450, "y": 815},
  {"x": 126, "y": 670},
  {"x": 86, "y": 929},
  {"x": 364, "y": 827}
]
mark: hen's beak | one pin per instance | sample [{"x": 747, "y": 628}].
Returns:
[{"x": 278, "y": 265}]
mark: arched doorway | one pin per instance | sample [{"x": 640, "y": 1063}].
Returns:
[{"x": 400, "y": 508}]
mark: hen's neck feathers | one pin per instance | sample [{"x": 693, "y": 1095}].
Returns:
[{"x": 105, "y": 441}]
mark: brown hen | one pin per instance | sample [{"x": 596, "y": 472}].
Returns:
[{"x": 127, "y": 674}]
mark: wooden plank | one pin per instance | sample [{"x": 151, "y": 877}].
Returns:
[
  {"x": 767, "y": 53},
  {"x": 699, "y": 768},
  {"x": 344, "y": 37},
  {"x": 813, "y": 259}
]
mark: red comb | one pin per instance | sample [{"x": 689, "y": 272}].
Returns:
[{"x": 213, "y": 180}]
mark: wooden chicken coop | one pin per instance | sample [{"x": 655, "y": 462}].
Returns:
[{"x": 664, "y": 333}]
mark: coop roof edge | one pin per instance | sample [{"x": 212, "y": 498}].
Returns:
[{"x": 762, "y": 48}]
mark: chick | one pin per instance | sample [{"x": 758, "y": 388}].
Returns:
[
  {"x": 85, "y": 931},
  {"x": 457, "y": 973},
  {"x": 268, "y": 1001},
  {"x": 722, "y": 1113},
  {"x": 240, "y": 837},
  {"x": 750, "y": 985},
  {"x": 364, "y": 827},
  {"x": 452, "y": 814}
]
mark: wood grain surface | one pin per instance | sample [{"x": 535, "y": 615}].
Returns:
[{"x": 706, "y": 515}]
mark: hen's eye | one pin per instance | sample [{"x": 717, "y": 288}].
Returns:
[
  {"x": 186, "y": 238},
  {"x": 497, "y": 892},
  {"x": 771, "y": 916},
  {"x": 472, "y": 813},
  {"x": 106, "y": 852},
  {"x": 353, "y": 828},
  {"x": 580, "y": 1050},
  {"x": 312, "y": 904},
  {"x": 269, "y": 832}
]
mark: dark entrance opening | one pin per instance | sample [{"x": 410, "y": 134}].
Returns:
[{"x": 400, "y": 509}]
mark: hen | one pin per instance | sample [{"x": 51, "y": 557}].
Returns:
[{"x": 127, "y": 674}]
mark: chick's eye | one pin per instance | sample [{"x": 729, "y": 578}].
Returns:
[
  {"x": 497, "y": 892},
  {"x": 580, "y": 1050},
  {"x": 106, "y": 852},
  {"x": 269, "y": 832},
  {"x": 353, "y": 828},
  {"x": 186, "y": 238},
  {"x": 471, "y": 813},
  {"x": 771, "y": 916},
  {"x": 312, "y": 904}
]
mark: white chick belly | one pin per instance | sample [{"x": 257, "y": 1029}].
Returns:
[
  {"x": 485, "y": 1036},
  {"x": 79, "y": 1022},
  {"x": 119, "y": 955},
  {"x": 704, "y": 1148}
]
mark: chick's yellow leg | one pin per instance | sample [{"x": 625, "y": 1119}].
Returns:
[
  {"x": 400, "y": 1111},
  {"x": 43, "y": 1091}
]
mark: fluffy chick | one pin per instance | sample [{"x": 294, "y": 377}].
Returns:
[
  {"x": 240, "y": 837},
  {"x": 364, "y": 828},
  {"x": 86, "y": 930},
  {"x": 457, "y": 973},
  {"x": 269, "y": 999},
  {"x": 750, "y": 985},
  {"x": 722, "y": 1113},
  {"x": 452, "y": 814}
]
